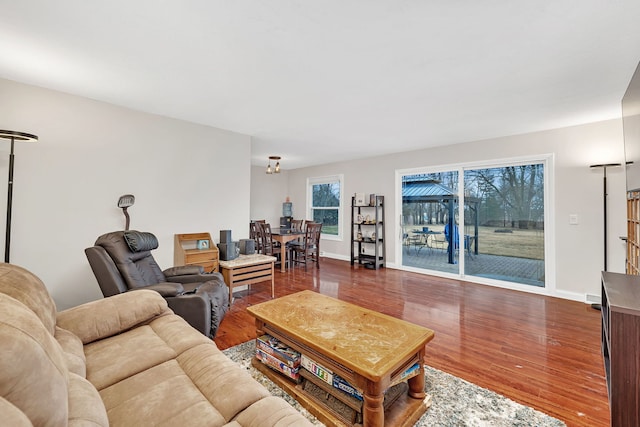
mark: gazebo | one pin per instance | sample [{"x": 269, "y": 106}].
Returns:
[{"x": 419, "y": 189}]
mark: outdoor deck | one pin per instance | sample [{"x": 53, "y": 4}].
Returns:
[{"x": 505, "y": 268}]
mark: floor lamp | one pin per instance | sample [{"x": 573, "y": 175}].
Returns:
[
  {"x": 604, "y": 196},
  {"x": 13, "y": 136}
]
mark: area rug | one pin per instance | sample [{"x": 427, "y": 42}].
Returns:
[{"x": 454, "y": 401}]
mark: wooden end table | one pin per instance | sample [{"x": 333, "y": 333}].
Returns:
[
  {"x": 368, "y": 349},
  {"x": 247, "y": 270}
]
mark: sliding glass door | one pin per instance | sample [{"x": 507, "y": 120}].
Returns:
[
  {"x": 486, "y": 222},
  {"x": 429, "y": 213}
]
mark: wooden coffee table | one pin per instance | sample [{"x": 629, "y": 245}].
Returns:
[
  {"x": 368, "y": 349},
  {"x": 247, "y": 270}
]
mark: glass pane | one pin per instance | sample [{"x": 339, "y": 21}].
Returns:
[
  {"x": 326, "y": 195},
  {"x": 504, "y": 223},
  {"x": 328, "y": 218},
  {"x": 429, "y": 211},
  {"x": 502, "y": 237}
]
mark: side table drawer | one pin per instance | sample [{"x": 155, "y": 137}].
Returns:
[{"x": 200, "y": 256}]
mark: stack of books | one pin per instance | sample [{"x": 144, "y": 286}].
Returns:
[
  {"x": 278, "y": 356},
  {"x": 343, "y": 385},
  {"x": 329, "y": 377}
]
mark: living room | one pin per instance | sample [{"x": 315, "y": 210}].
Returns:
[
  {"x": 67, "y": 186},
  {"x": 192, "y": 177}
]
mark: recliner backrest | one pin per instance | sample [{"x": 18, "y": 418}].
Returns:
[{"x": 131, "y": 253}]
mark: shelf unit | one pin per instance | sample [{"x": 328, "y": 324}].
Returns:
[
  {"x": 633, "y": 232},
  {"x": 621, "y": 346},
  {"x": 367, "y": 233},
  {"x": 186, "y": 252}
]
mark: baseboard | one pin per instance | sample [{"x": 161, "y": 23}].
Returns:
[
  {"x": 593, "y": 299},
  {"x": 334, "y": 256}
]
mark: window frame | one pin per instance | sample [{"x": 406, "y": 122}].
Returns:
[
  {"x": 548, "y": 161},
  {"x": 329, "y": 179}
]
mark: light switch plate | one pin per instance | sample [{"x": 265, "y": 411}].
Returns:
[{"x": 573, "y": 219}]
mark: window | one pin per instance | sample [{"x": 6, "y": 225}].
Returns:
[{"x": 324, "y": 202}]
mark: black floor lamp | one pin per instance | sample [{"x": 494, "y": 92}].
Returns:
[
  {"x": 604, "y": 196},
  {"x": 13, "y": 136}
]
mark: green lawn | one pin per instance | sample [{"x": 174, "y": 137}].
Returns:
[{"x": 516, "y": 243}]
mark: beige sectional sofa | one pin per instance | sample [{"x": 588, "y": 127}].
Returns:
[{"x": 125, "y": 360}]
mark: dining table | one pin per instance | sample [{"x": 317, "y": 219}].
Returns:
[{"x": 283, "y": 236}]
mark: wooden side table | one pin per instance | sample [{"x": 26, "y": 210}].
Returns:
[{"x": 247, "y": 270}]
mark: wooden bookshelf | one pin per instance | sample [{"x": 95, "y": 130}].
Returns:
[
  {"x": 633, "y": 232},
  {"x": 187, "y": 252}
]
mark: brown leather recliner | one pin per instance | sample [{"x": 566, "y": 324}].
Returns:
[{"x": 122, "y": 262}]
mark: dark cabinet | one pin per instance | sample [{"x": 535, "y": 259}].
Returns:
[{"x": 621, "y": 346}]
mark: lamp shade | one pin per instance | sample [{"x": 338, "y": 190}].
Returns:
[{"x": 18, "y": 136}]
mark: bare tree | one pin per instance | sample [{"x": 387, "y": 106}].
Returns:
[{"x": 519, "y": 187}]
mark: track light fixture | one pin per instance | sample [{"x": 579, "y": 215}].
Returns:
[{"x": 277, "y": 166}]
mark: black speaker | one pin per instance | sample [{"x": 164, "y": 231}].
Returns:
[
  {"x": 247, "y": 246},
  {"x": 228, "y": 251},
  {"x": 225, "y": 236}
]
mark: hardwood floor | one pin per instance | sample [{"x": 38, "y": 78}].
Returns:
[{"x": 540, "y": 351}]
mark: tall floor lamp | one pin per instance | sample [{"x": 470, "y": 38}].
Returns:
[
  {"x": 13, "y": 136},
  {"x": 604, "y": 196}
]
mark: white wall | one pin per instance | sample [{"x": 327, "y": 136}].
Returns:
[
  {"x": 578, "y": 190},
  {"x": 272, "y": 191},
  {"x": 186, "y": 178}
]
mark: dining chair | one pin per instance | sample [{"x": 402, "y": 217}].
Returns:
[
  {"x": 309, "y": 250},
  {"x": 297, "y": 225},
  {"x": 269, "y": 246}
]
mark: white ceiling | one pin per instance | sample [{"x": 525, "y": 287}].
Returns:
[{"x": 320, "y": 81}]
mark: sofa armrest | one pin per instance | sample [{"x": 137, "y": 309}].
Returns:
[
  {"x": 167, "y": 289},
  {"x": 103, "y": 318},
  {"x": 183, "y": 270}
]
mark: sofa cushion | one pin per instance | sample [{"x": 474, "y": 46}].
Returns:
[
  {"x": 270, "y": 411},
  {"x": 139, "y": 241},
  {"x": 138, "y": 269},
  {"x": 164, "y": 391},
  {"x": 34, "y": 371},
  {"x": 12, "y": 416},
  {"x": 110, "y": 316},
  {"x": 85, "y": 405},
  {"x": 73, "y": 351},
  {"x": 27, "y": 288},
  {"x": 113, "y": 359},
  {"x": 156, "y": 363}
]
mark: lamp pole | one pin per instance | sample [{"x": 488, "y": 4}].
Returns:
[
  {"x": 13, "y": 136},
  {"x": 604, "y": 205},
  {"x": 7, "y": 239}
]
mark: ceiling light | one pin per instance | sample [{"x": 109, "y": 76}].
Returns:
[{"x": 277, "y": 168}]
